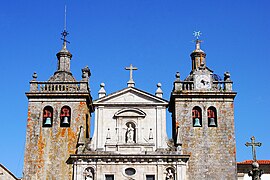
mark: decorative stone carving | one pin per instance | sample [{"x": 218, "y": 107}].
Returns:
[
  {"x": 86, "y": 72},
  {"x": 169, "y": 174},
  {"x": 130, "y": 134},
  {"x": 89, "y": 175},
  {"x": 108, "y": 134},
  {"x": 255, "y": 173},
  {"x": 227, "y": 76},
  {"x": 151, "y": 136},
  {"x": 34, "y": 76}
]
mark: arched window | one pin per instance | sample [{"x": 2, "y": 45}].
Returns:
[
  {"x": 47, "y": 117},
  {"x": 65, "y": 116},
  {"x": 197, "y": 116},
  {"x": 212, "y": 116}
]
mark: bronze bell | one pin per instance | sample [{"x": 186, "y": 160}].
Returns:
[
  {"x": 48, "y": 121},
  {"x": 65, "y": 121},
  {"x": 197, "y": 122},
  {"x": 212, "y": 122}
]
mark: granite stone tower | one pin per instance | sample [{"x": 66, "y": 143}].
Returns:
[
  {"x": 59, "y": 112},
  {"x": 202, "y": 107}
]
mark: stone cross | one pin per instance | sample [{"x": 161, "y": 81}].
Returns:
[
  {"x": 131, "y": 83},
  {"x": 253, "y": 144}
]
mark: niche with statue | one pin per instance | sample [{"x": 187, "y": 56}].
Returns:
[{"x": 130, "y": 132}]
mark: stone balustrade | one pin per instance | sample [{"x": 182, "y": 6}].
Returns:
[
  {"x": 36, "y": 86},
  {"x": 187, "y": 85},
  {"x": 216, "y": 86}
]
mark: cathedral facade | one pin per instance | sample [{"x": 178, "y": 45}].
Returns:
[{"x": 129, "y": 139}]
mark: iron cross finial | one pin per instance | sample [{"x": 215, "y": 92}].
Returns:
[
  {"x": 197, "y": 34},
  {"x": 253, "y": 144},
  {"x": 65, "y": 33},
  {"x": 131, "y": 83}
]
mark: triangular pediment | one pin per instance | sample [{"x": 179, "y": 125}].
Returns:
[{"x": 131, "y": 96}]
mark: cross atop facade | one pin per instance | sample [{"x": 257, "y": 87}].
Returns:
[
  {"x": 131, "y": 83},
  {"x": 253, "y": 144}
]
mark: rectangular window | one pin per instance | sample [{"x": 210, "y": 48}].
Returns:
[
  {"x": 150, "y": 177},
  {"x": 109, "y": 177}
]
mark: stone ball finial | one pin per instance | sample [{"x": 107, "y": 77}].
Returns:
[
  {"x": 34, "y": 76},
  {"x": 102, "y": 91},
  {"x": 159, "y": 91},
  {"x": 102, "y": 85},
  {"x": 227, "y": 76},
  {"x": 177, "y": 75},
  {"x": 255, "y": 165}
]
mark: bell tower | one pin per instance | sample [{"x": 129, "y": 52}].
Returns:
[
  {"x": 202, "y": 107},
  {"x": 59, "y": 112}
]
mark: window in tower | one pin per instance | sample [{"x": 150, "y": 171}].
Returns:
[
  {"x": 197, "y": 116},
  {"x": 65, "y": 116},
  {"x": 47, "y": 116},
  {"x": 212, "y": 116}
]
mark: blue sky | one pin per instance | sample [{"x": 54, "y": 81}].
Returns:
[{"x": 154, "y": 35}]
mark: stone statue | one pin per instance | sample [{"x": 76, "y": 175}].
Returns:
[
  {"x": 169, "y": 175},
  {"x": 88, "y": 174},
  {"x": 130, "y": 134},
  {"x": 86, "y": 72}
]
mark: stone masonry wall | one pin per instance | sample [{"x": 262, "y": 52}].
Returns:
[
  {"x": 48, "y": 148},
  {"x": 212, "y": 149}
]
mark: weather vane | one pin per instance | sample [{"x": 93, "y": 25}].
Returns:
[
  {"x": 197, "y": 34},
  {"x": 65, "y": 33}
]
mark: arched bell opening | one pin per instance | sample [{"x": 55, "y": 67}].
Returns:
[
  {"x": 47, "y": 116},
  {"x": 197, "y": 116},
  {"x": 65, "y": 116},
  {"x": 212, "y": 117}
]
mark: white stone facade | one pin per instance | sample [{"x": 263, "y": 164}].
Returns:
[
  {"x": 130, "y": 140},
  {"x": 116, "y": 112}
]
